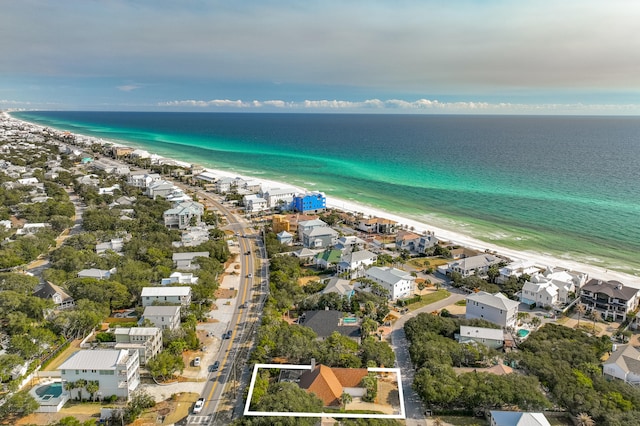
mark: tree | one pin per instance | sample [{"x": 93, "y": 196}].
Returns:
[
  {"x": 595, "y": 316},
  {"x": 580, "y": 309},
  {"x": 140, "y": 401},
  {"x": 584, "y": 419},
  {"x": 367, "y": 327},
  {"x": 345, "y": 399},
  {"x": 92, "y": 387},
  {"x": 18, "y": 405},
  {"x": 370, "y": 383}
]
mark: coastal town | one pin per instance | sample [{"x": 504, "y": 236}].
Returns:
[{"x": 137, "y": 289}]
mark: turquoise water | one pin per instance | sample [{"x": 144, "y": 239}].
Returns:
[
  {"x": 564, "y": 186},
  {"x": 523, "y": 333},
  {"x": 54, "y": 390}
]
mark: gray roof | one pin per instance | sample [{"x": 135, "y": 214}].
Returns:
[
  {"x": 161, "y": 310},
  {"x": 613, "y": 289},
  {"x": 476, "y": 262},
  {"x": 387, "y": 274},
  {"x": 165, "y": 291},
  {"x": 626, "y": 357},
  {"x": 49, "y": 289},
  {"x": 481, "y": 332},
  {"x": 104, "y": 359},
  {"x": 324, "y": 323},
  {"x": 358, "y": 256},
  {"x": 190, "y": 255},
  {"x": 498, "y": 300},
  {"x": 518, "y": 418},
  {"x": 338, "y": 285}
]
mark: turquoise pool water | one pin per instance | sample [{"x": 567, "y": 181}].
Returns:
[
  {"x": 523, "y": 333},
  {"x": 349, "y": 320},
  {"x": 52, "y": 390}
]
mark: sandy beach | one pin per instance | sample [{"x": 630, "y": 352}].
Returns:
[{"x": 419, "y": 227}]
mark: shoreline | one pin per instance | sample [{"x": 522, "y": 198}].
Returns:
[{"x": 457, "y": 238}]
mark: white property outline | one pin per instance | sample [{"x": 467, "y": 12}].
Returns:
[{"x": 254, "y": 375}]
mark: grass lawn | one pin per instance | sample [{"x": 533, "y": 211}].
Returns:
[
  {"x": 425, "y": 262},
  {"x": 430, "y": 298}
]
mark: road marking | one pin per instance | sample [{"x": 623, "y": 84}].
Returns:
[{"x": 198, "y": 420}]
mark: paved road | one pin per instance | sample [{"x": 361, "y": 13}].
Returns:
[{"x": 413, "y": 406}]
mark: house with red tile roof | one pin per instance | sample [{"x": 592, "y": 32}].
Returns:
[{"x": 329, "y": 384}]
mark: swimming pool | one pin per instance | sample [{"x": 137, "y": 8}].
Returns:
[
  {"x": 48, "y": 391},
  {"x": 349, "y": 320},
  {"x": 523, "y": 333}
]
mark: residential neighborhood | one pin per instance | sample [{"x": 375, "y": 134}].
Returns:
[{"x": 126, "y": 274}]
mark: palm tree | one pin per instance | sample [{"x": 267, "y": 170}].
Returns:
[
  {"x": 345, "y": 398},
  {"x": 580, "y": 309},
  {"x": 80, "y": 384},
  {"x": 595, "y": 316},
  {"x": 583, "y": 419},
  {"x": 92, "y": 387}
]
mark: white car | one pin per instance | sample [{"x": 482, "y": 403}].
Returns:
[{"x": 199, "y": 405}]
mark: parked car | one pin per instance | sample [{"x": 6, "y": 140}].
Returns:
[
  {"x": 250, "y": 276},
  {"x": 215, "y": 366},
  {"x": 227, "y": 335},
  {"x": 199, "y": 405},
  {"x": 196, "y": 362}
]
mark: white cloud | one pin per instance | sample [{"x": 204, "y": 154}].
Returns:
[
  {"x": 128, "y": 87},
  {"x": 404, "y": 106}
]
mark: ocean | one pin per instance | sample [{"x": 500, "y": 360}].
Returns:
[{"x": 564, "y": 186}]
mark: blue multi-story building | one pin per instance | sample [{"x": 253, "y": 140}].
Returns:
[{"x": 315, "y": 202}]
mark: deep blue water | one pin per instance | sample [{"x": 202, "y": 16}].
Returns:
[{"x": 566, "y": 186}]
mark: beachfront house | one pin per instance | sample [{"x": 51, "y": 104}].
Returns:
[
  {"x": 517, "y": 269},
  {"x": 187, "y": 260},
  {"x": 623, "y": 364},
  {"x": 398, "y": 283},
  {"x": 376, "y": 225},
  {"x": 475, "y": 265},
  {"x": 539, "y": 293},
  {"x": 164, "y": 317},
  {"x": 146, "y": 340},
  {"x": 224, "y": 185},
  {"x": 280, "y": 198},
  {"x": 314, "y": 202},
  {"x": 496, "y": 308},
  {"x": 117, "y": 372},
  {"x": 489, "y": 337},
  {"x": 406, "y": 240},
  {"x": 612, "y": 299},
  {"x": 183, "y": 215},
  {"x": 353, "y": 264}
]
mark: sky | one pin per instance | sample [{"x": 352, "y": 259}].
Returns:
[{"x": 376, "y": 56}]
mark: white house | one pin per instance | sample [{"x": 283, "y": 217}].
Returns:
[
  {"x": 542, "y": 293},
  {"x": 186, "y": 260},
  {"x": 32, "y": 228},
  {"x": 623, "y": 364},
  {"x": 60, "y": 298},
  {"x": 285, "y": 238},
  {"x": 279, "y": 196},
  {"x": 164, "y": 317},
  {"x": 160, "y": 188},
  {"x": 100, "y": 274},
  {"x": 397, "y": 282},
  {"x": 146, "y": 340},
  {"x": 114, "y": 245},
  {"x": 517, "y": 269},
  {"x": 116, "y": 371},
  {"x": 164, "y": 295},
  {"x": 180, "y": 278},
  {"x": 496, "y": 308},
  {"x": 143, "y": 180},
  {"x": 350, "y": 242},
  {"x": 253, "y": 203},
  {"x": 354, "y": 263},
  {"x": 181, "y": 214},
  {"x": 224, "y": 185}
]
